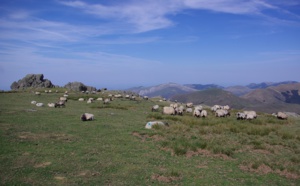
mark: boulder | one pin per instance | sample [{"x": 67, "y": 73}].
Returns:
[
  {"x": 32, "y": 80},
  {"x": 78, "y": 86}
]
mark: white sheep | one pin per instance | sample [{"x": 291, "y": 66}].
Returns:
[
  {"x": 240, "y": 116},
  {"x": 203, "y": 113},
  {"x": 155, "y": 108},
  {"x": 33, "y": 102},
  {"x": 253, "y": 113},
  {"x": 222, "y": 113},
  {"x": 197, "y": 113},
  {"x": 87, "y": 117},
  {"x": 189, "y": 110},
  {"x": 189, "y": 105},
  {"x": 168, "y": 110},
  {"x": 37, "y": 93},
  {"x": 39, "y": 104},
  {"x": 81, "y": 99},
  {"x": 281, "y": 115},
  {"x": 150, "y": 124},
  {"x": 51, "y": 104}
]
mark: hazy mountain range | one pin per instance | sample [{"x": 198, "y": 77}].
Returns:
[{"x": 265, "y": 97}]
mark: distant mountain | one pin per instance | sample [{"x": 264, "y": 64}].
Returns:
[
  {"x": 268, "y": 84},
  {"x": 287, "y": 93},
  {"x": 212, "y": 97},
  {"x": 164, "y": 90},
  {"x": 238, "y": 90},
  {"x": 203, "y": 87}
]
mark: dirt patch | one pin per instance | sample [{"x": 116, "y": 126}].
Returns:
[
  {"x": 60, "y": 178},
  {"x": 29, "y": 136},
  {"x": 264, "y": 169},
  {"x": 165, "y": 179},
  {"x": 87, "y": 173},
  {"x": 207, "y": 153},
  {"x": 144, "y": 137},
  {"x": 42, "y": 165}
]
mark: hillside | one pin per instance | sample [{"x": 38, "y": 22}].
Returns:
[
  {"x": 238, "y": 90},
  {"x": 214, "y": 96},
  {"x": 287, "y": 93}
]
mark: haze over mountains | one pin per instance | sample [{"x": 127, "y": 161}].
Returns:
[{"x": 265, "y": 97}]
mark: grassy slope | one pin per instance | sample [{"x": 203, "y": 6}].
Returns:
[{"x": 51, "y": 146}]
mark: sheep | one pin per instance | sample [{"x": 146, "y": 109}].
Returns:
[
  {"x": 60, "y": 103},
  {"x": 215, "y": 108},
  {"x": 90, "y": 100},
  {"x": 168, "y": 110},
  {"x": 63, "y": 99},
  {"x": 33, "y": 102},
  {"x": 127, "y": 96},
  {"x": 99, "y": 99},
  {"x": 150, "y": 124},
  {"x": 253, "y": 113},
  {"x": 179, "y": 110},
  {"x": 189, "y": 110},
  {"x": 281, "y": 115},
  {"x": 39, "y": 104},
  {"x": 155, "y": 108},
  {"x": 222, "y": 113},
  {"x": 189, "y": 105},
  {"x": 87, "y": 117},
  {"x": 66, "y": 95},
  {"x": 51, "y": 104},
  {"x": 81, "y": 99},
  {"x": 226, "y": 107},
  {"x": 240, "y": 116},
  {"x": 145, "y": 98},
  {"x": 203, "y": 113},
  {"x": 37, "y": 93},
  {"x": 106, "y": 101},
  {"x": 198, "y": 107},
  {"x": 197, "y": 113}
]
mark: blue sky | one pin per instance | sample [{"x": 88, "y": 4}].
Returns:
[{"x": 120, "y": 44}]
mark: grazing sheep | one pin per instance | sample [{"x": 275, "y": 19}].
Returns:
[
  {"x": 127, "y": 96},
  {"x": 197, "y": 113},
  {"x": 99, "y": 99},
  {"x": 81, "y": 99},
  {"x": 240, "y": 116},
  {"x": 60, "y": 103},
  {"x": 33, "y": 102},
  {"x": 226, "y": 107},
  {"x": 222, "y": 113},
  {"x": 215, "y": 108},
  {"x": 63, "y": 99},
  {"x": 66, "y": 95},
  {"x": 253, "y": 113},
  {"x": 179, "y": 110},
  {"x": 87, "y": 117},
  {"x": 145, "y": 98},
  {"x": 39, "y": 104},
  {"x": 168, "y": 110},
  {"x": 90, "y": 100},
  {"x": 281, "y": 115},
  {"x": 37, "y": 93},
  {"x": 189, "y": 105},
  {"x": 198, "y": 107},
  {"x": 189, "y": 110},
  {"x": 203, "y": 113},
  {"x": 155, "y": 108},
  {"x": 51, "y": 104},
  {"x": 106, "y": 101},
  {"x": 46, "y": 91},
  {"x": 150, "y": 124}
]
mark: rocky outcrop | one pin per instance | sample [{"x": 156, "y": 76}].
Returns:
[
  {"x": 32, "y": 80},
  {"x": 78, "y": 86}
]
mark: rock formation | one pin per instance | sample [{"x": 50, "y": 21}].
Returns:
[
  {"x": 78, "y": 86},
  {"x": 32, "y": 80}
]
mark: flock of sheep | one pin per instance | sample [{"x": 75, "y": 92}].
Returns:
[
  {"x": 173, "y": 109},
  {"x": 218, "y": 110}
]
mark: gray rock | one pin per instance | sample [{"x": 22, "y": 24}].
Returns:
[
  {"x": 32, "y": 80},
  {"x": 78, "y": 86}
]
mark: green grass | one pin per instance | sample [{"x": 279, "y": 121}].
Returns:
[{"x": 52, "y": 146}]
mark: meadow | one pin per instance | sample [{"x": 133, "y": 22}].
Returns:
[{"x": 52, "y": 146}]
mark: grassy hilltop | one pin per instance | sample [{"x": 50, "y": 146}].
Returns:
[{"x": 52, "y": 146}]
